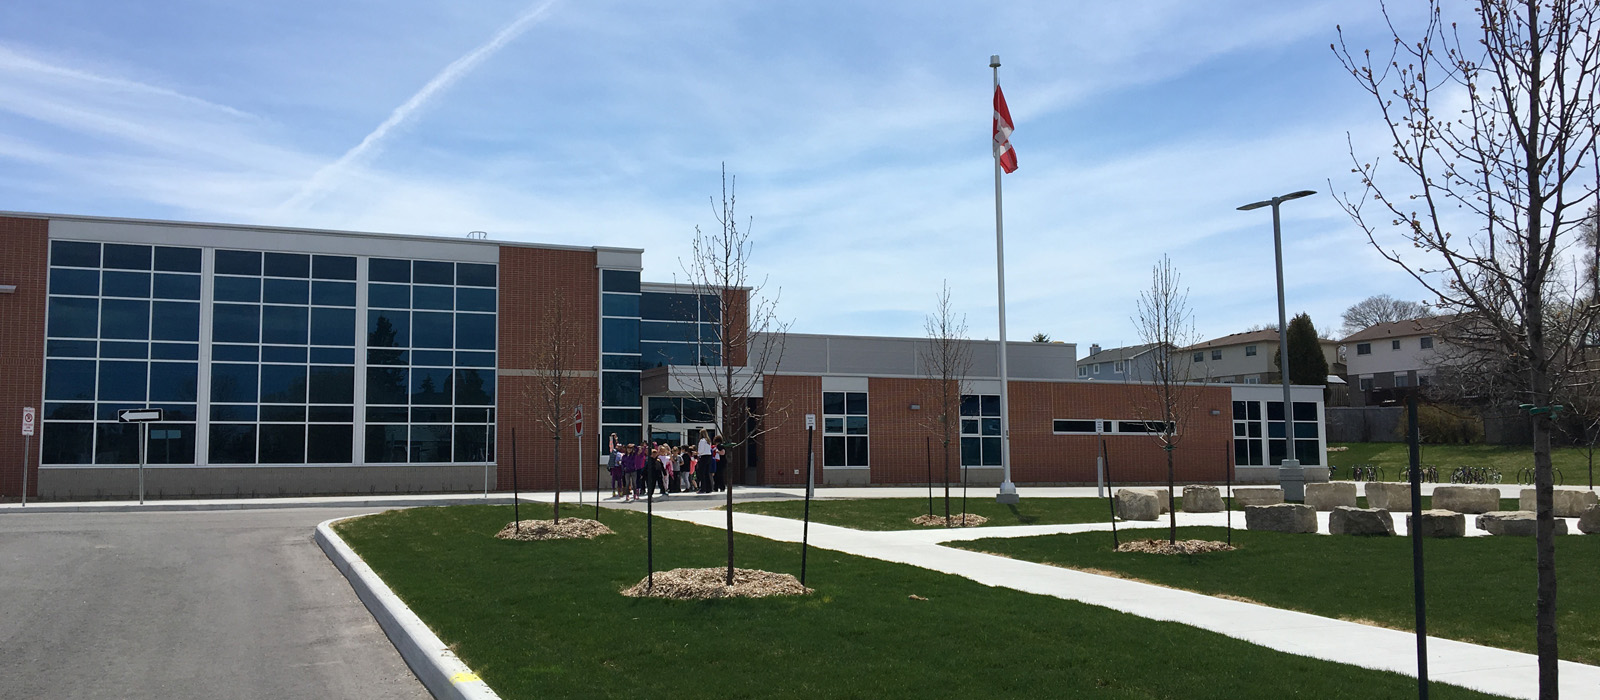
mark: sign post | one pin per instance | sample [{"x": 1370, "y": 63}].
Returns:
[
  {"x": 577, "y": 429},
  {"x": 805, "y": 534},
  {"x": 143, "y": 417},
  {"x": 27, "y": 448}
]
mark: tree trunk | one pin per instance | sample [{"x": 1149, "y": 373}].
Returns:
[
  {"x": 1172, "y": 502},
  {"x": 558, "y": 477},
  {"x": 947, "y": 480}
]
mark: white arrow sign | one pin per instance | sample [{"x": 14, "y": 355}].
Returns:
[{"x": 139, "y": 415}]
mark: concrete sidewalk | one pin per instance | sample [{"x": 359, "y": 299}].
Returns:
[{"x": 1497, "y": 671}]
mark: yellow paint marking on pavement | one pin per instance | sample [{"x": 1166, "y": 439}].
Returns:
[{"x": 465, "y": 677}]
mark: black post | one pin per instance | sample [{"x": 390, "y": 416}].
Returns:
[
  {"x": 1228, "y": 504},
  {"x": 927, "y": 449},
  {"x": 1416, "y": 546},
  {"x": 649, "y": 523},
  {"x": 1111, "y": 498},
  {"x": 597, "y": 486},
  {"x": 516, "y": 516},
  {"x": 805, "y": 530}
]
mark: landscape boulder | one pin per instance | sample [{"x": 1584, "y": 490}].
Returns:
[
  {"x": 1346, "y": 520},
  {"x": 1439, "y": 523},
  {"x": 1515, "y": 523},
  {"x": 1330, "y": 495},
  {"x": 1202, "y": 499},
  {"x": 1568, "y": 503},
  {"x": 1589, "y": 522},
  {"x": 1258, "y": 495},
  {"x": 1283, "y": 517},
  {"x": 1388, "y": 496},
  {"x": 1467, "y": 499},
  {"x": 1137, "y": 504}
]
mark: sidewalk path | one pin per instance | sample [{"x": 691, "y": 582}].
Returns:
[{"x": 1498, "y": 671}]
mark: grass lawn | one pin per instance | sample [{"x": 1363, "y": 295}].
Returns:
[
  {"x": 1480, "y": 589},
  {"x": 544, "y": 619},
  {"x": 1395, "y": 456},
  {"x": 896, "y": 513}
]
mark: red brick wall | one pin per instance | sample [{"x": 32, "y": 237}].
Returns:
[
  {"x": 529, "y": 282},
  {"x": 736, "y": 324},
  {"x": 899, "y": 454},
  {"x": 24, "y": 263},
  {"x": 783, "y": 450}
]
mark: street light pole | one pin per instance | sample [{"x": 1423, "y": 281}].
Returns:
[{"x": 1290, "y": 476}]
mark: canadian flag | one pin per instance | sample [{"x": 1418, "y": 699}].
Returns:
[{"x": 1002, "y": 132}]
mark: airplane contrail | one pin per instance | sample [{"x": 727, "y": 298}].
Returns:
[{"x": 444, "y": 79}]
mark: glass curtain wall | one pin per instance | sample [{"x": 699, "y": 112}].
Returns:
[{"x": 621, "y": 411}]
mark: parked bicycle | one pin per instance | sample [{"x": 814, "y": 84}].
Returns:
[
  {"x": 1475, "y": 475},
  {"x": 1366, "y": 472},
  {"x": 1428, "y": 472},
  {"x": 1525, "y": 476}
]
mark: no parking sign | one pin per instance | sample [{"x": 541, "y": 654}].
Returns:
[{"x": 27, "y": 421}]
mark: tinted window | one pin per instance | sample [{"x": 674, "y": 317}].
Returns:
[
  {"x": 474, "y": 387},
  {"x": 287, "y": 265},
  {"x": 284, "y": 324},
  {"x": 333, "y": 384},
  {"x": 431, "y": 330},
  {"x": 127, "y": 257},
  {"x": 283, "y": 444},
  {"x": 333, "y": 326},
  {"x": 387, "y": 443},
  {"x": 424, "y": 297},
  {"x": 67, "y": 443},
  {"x": 122, "y": 381},
  {"x": 238, "y": 262},
  {"x": 233, "y": 444},
  {"x": 855, "y": 403},
  {"x": 386, "y": 385},
  {"x": 177, "y": 287},
  {"x": 237, "y": 289},
  {"x": 430, "y": 387},
  {"x": 69, "y": 380},
  {"x": 236, "y": 323},
  {"x": 619, "y": 280},
  {"x": 232, "y": 383},
  {"x": 283, "y": 384},
  {"x": 660, "y": 306},
  {"x": 425, "y": 272},
  {"x": 475, "y": 331},
  {"x": 391, "y": 296},
  {"x": 175, "y": 320},
  {"x": 126, "y": 284},
  {"x": 475, "y": 300},
  {"x": 620, "y": 334},
  {"x": 388, "y": 329},
  {"x": 333, "y": 267},
  {"x": 475, "y": 275},
  {"x": 74, "y": 318},
  {"x": 275, "y": 353},
  {"x": 329, "y": 444},
  {"x": 381, "y": 270},
  {"x": 619, "y": 304},
  {"x": 178, "y": 259},
  {"x": 333, "y": 293},
  {"x": 74, "y": 254},
  {"x": 173, "y": 381},
  {"x": 66, "y": 281},
  {"x": 619, "y": 389},
  {"x": 125, "y": 319},
  {"x": 285, "y": 291}
]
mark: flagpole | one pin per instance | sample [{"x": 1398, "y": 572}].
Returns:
[{"x": 1008, "y": 490}]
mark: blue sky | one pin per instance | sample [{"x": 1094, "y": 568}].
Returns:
[{"x": 859, "y": 134}]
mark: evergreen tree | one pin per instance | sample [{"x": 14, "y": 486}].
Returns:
[{"x": 1307, "y": 365}]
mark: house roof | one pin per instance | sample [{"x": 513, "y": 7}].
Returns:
[
  {"x": 1123, "y": 353},
  {"x": 1399, "y": 329},
  {"x": 1247, "y": 338}
]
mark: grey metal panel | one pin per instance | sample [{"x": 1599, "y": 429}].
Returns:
[
  {"x": 1041, "y": 360},
  {"x": 802, "y": 353},
  {"x": 884, "y": 356},
  {"x": 855, "y": 355},
  {"x": 107, "y": 482},
  {"x": 619, "y": 258},
  {"x": 336, "y": 243}
]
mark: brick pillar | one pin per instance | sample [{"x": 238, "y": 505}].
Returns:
[{"x": 24, "y": 264}]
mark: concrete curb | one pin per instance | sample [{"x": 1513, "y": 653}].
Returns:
[
  {"x": 254, "y": 504},
  {"x": 439, "y": 669}
]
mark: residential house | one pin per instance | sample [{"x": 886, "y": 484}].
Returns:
[
  {"x": 1389, "y": 356},
  {"x": 1133, "y": 363},
  {"x": 1247, "y": 358}
]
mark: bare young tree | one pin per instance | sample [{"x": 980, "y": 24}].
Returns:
[
  {"x": 555, "y": 364},
  {"x": 1170, "y": 395},
  {"x": 750, "y": 335},
  {"x": 1380, "y": 308},
  {"x": 1495, "y": 138},
  {"x": 946, "y": 361}
]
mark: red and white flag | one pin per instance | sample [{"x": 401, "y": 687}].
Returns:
[{"x": 1002, "y": 133}]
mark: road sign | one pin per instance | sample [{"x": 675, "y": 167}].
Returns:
[
  {"x": 139, "y": 415},
  {"x": 811, "y": 421},
  {"x": 27, "y": 421},
  {"x": 577, "y": 421}
]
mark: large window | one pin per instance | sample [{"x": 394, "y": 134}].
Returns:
[
  {"x": 680, "y": 329},
  {"x": 277, "y": 375},
  {"x": 122, "y": 331},
  {"x": 844, "y": 429},
  {"x": 430, "y": 362},
  {"x": 1258, "y": 434},
  {"x": 620, "y": 409},
  {"x": 980, "y": 430}
]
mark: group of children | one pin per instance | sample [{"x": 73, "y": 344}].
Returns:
[{"x": 638, "y": 470}]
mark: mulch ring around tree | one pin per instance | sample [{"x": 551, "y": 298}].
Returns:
[
  {"x": 703, "y": 584},
  {"x": 1182, "y": 547},
  {"x": 956, "y": 520},
  {"x": 567, "y": 529}
]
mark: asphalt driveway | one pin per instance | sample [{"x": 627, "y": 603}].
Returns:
[{"x": 217, "y": 604}]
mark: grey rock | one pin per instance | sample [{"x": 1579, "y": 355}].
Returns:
[
  {"x": 1388, "y": 496},
  {"x": 1202, "y": 499},
  {"x": 1568, "y": 503},
  {"x": 1515, "y": 523},
  {"x": 1466, "y": 499},
  {"x": 1346, "y": 520},
  {"x": 1334, "y": 494},
  {"x": 1283, "y": 517},
  {"x": 1589, "y": 522},
  {"x": 1439, "y": 523},
  {"x": 1137, "y": 504},
  {"x": 1258, "y": 495}
]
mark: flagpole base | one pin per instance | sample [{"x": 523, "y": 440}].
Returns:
[{"x": 1008, "y": 494}]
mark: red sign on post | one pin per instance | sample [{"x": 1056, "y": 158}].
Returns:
[
  {"x": 577, "y": 421},
  {"x": 27, "y": 421}
]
